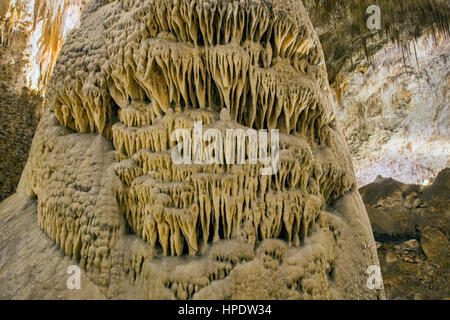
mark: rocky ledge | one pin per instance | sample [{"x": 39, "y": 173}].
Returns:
[{"x": 411, "y": 227}]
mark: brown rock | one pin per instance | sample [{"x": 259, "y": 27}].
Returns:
[{"x": 435, "y": 245}]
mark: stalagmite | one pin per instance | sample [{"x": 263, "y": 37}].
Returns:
[{"x": 239, "y": 85}]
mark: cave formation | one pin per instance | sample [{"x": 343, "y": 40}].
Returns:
[{"x": 111, "y": 198}]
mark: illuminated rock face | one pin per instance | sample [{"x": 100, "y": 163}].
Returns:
[
  {"x": 394, "y": 120},
  {"x": 110, "y": 195},
  {"x": 41, "y": 26}
]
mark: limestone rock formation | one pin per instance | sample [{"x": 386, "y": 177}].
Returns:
[
  {"x": 390, "y": 84},
  {"x": 18, "y": 106},
  {"x": 31, "y": 265},
  {"x": 18, "y": 122},
  {"x": 396, "y": 115},
  {"x": 40, "y": 26},
  {"x": 412, "y": 227},
  {"x": 31, "y": 35},
  {"x": 111, "y": 197},
  {"x": 349, "y": 44}
]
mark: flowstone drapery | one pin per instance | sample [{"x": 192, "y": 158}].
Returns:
[{"x": 110, "y": 195}]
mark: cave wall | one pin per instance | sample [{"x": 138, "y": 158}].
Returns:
[
  {"x": 395, "y": 113},
  {"x": 390, "y": 85},
  {"x": 31, "y": 35},
  {"x": 40, "y": 28},
  {"x": 18, "y": 105}
]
